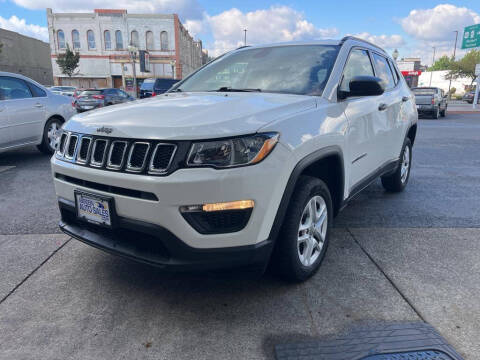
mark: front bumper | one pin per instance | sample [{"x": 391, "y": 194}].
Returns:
[{"x": 154, "y": 245}]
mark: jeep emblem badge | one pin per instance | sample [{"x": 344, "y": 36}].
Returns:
[{"x": 106, "y": 130}]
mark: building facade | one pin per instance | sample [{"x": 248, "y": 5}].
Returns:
[
  {"x": 25, "y": 55},
  {"x": 102, "y": 39},
  {"x": 411, "y": 70}
]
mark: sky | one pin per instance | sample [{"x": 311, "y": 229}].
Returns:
[{"x": 412, "y": 27}]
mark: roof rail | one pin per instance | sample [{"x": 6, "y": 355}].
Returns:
[{"x": 349, "y": 37}]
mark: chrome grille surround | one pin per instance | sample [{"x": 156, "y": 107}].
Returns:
[
  {"x": 132, "y": 168},
  {"x": 96, "y": 163},
  {"x": 110, "y": 164},
  {"x": 135, "y": 156},
  {"x": 155, "y": 170},
  {"x": 80, "y": 159}
]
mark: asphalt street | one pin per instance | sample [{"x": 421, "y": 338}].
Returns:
[{"x": 393, "y": 257}]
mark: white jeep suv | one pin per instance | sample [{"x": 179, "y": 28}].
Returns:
[{"x": 245, "y": 161}]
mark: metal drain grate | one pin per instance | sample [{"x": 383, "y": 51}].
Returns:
[{"x": 404, "y": 341}]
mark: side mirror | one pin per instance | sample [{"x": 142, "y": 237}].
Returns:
[{"x": 363, "y": 86}]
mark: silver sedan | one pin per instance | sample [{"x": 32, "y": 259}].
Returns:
[{"x": 30, "y": 114}]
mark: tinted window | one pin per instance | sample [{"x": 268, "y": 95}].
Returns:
[
  {"x": 147, "y": 84},
  {"x": 383, "y": 71},
  {"x": 424, "y": 91},
  {"x": 12, "y": 89},
  {"x": 91, "y": 92},
  {"x": 300, "y": 69},
  {"x": 37, "y": 92},
  {"x": 358, "y": 64},
  {"x": 394, "y": 71}
]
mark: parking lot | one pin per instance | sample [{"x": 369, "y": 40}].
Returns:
[{"x": 411, "y": 256}]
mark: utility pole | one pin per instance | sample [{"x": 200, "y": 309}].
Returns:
[
  {"x": 454, "y": 51},
  {"x": 245, "y": 37},
  {"x": 433, "y": 62}
]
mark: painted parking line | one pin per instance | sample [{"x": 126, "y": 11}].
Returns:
[{"x": 5, "y": 168}]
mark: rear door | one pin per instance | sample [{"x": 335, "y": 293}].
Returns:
[
  {"x": 26, "y": 113},
  {"x": 361, "y": 114},
  {"x": 388, "y": 125}
]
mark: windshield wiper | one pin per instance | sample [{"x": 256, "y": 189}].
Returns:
[{"x": 229, "y": 89}]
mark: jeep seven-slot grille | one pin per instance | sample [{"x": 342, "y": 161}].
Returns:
[{"x": 134, "y": 156}]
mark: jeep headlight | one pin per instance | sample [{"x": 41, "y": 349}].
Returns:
[{"x": 230, "y": 152}]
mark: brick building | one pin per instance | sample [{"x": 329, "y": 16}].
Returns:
[{"x": 102, "y": 39}]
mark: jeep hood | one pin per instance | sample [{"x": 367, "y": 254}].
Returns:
[{"x": 190, "y": 116}]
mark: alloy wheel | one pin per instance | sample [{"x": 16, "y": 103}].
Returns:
[
  {"x": 312, "y": 230},
  {"x": 52, "y": 135},
  {"x": 405, "y": 164}
]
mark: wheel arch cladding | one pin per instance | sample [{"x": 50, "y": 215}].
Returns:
[
  {"x": 412, "y": 132},
  {"x": 326, "y": 164}
]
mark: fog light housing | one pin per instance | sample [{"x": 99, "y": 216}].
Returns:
[{"x": 218, "y": 218}]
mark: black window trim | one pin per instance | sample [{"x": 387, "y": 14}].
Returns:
[{"x": 386, "y": 58}]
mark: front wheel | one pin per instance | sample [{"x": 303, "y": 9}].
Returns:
[
  {"x": 50, "y": 136},
  {"x": 303, "y": 240},
  {"x": 397, "y": 181}
]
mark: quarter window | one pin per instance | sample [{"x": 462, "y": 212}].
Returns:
[
  {"x": 118, "y": 40},
  {"x": 61, "y": 39},
  {"x": 91, "y": 39},
  {"x": 76, "y": 39},
  {"x": 37, "y": 92},
  {"x": 149, "y": 40},
  {"x": 134, "y": 39},
  {"x": 13, "y": 89},
  {"x": 108, "y": 40},
  {"x": 383, "y": 71},
  {"x": 394, "y": 71},
  {"x": 164, "y": 41},
  {"x": 358, "y": 64}
]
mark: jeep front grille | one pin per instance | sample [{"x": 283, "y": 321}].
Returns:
[{"x": 133, "y": 156}]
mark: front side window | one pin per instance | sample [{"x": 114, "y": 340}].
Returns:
[
  {"x": 358, "y": 64},
  {"x": 164, "y": 41},
  {"x": 134, "y": 39},
  {"x": 76, "y": 39},
  {"x": 61, "y": 39},
  {"x": 108, "y": 40},
  {"x": 91, "y": 39},
  {"x": 149, "y": 40},
  {"x": 118, "y": 40},
  {"x": 13, "y": 89},
  {"x": 300, "y": 69},
  {"x": 383, "y": 71},
  {"x": 396, "y": 77}
]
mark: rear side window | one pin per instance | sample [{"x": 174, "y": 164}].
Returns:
[
  {"x": 37, "y": 92},
  {"x": 396, "y": 77},
  {"x": 358, "y": 64},
  {"x": 383, "y": 71},
  {"x": 13, "y": 89}
]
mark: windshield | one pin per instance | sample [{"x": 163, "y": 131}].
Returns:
[
  {"x": 424, "y": 91},
  {"x": 300, "y": 69}
]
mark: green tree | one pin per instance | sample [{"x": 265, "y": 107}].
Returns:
[
  {"x": 465, "y": 67},
  {"x": 68, "y": 61},
  {"x": 444, "y": 63}
]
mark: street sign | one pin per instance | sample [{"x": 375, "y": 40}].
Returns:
[{"x": 471, "y": 37}]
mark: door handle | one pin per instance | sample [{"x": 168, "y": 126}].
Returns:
[
  {"x": 405, "y": 98},
  {"x": 382, "y": 107},
  {"x": 38, "y": 105}
]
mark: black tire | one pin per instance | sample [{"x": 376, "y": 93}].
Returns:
[
  {"x": 436, "y": 113},
  {"x": 395, "y": 182},
  {"x": 45, "y": 146},
  {"x": 443, "y": 113},
  {"x": 286, "y": 257}
]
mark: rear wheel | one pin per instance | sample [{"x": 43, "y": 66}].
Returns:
[
  {"x": 397, "y": 181},
  {"x": 436, "y": 113},
  {"x": 50, "y": 136},
  {"x": 303, "y": 240},
  {"x": 443, "y": 113}
]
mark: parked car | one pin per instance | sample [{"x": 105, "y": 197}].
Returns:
[
  {"x": 63, "y": 90},
  {"x": 153, "y": 87},
  {"x": 30, "y": 114},
  {"x": 246, "y": 161},
  {"x": 469, "y": 97},
  {"x": 431, "y": 101},
  {"x": 94, "y": 98}
]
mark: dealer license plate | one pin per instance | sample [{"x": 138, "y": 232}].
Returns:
[{"x": 93, "y": 208}]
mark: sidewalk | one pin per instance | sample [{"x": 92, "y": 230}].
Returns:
[{"x": 462, "y": 108}]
